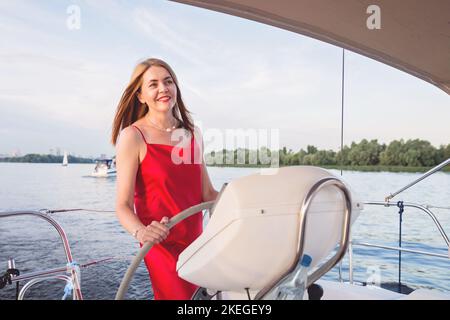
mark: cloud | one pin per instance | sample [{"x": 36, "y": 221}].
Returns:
[
  {"x": 156, "y": 28},
  {"x": 62, "y": 88},
  {"x": 230, "y": 75}
]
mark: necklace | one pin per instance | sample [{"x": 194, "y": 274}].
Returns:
[{"x": 169, "y": 129}]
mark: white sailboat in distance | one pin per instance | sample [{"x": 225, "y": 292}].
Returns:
[{"x": 65, "y": 160}]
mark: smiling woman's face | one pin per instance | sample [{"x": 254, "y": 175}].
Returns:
[{"x": 158, "y": 89}]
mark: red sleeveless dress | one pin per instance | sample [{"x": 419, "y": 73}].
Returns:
[{"x": 164, "y": 188}]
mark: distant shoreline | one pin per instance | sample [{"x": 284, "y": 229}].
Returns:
[
  {"x": 45, "y": 158},
  {"x": 49, "y": 159},
  {"x": 57, "y": 163}
]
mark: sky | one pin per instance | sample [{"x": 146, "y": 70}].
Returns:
[{"x": 60, "y": 85}]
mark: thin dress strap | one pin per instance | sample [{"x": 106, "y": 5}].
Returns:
[{"x": 143, "y": 137}]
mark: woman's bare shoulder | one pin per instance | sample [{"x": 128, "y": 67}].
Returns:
[{"x": 129, "y": 136}]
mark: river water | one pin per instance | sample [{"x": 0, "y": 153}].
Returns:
[{"x": 35, "y": 245}]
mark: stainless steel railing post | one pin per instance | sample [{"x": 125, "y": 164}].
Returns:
[{"x": 62, "y": 235}]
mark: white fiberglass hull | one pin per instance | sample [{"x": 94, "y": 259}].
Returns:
[{"x": 104, "y": 174}]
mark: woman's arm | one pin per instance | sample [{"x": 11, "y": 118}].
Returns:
[
  {"x": 208, "y": 191},
  {"x": 127, "y": 163}
]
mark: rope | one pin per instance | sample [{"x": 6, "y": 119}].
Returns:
[
  {"x": 81, "y": 209},
  {"x": 67, "y": 290},
  {"x": 117, "y": 258},
  {"x": 48, "y": 211},
  {"x": 401, "y": 208},
  {"x": 70, "y": 210},
  {"x": 73, "y": 268},
  {"x": 400, "y": 212},
  {"x": 6, "y": 277}
]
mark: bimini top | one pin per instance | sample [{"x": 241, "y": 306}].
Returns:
[{"x": 414, "y": 35}]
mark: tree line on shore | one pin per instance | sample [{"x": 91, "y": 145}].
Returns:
[
  {"x": 45, "y": 158},
  {"x": 410, "y": 153}
]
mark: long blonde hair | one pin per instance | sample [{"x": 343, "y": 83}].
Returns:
[{"x": 130, "y": 109}]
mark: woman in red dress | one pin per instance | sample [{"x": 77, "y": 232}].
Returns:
[{"x": 160, "y": 172}]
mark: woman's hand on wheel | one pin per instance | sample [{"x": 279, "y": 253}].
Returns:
[{"x": 155, "y": 232}]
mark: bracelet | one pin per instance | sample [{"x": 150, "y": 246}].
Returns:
[{"x": 136, "y": 232}]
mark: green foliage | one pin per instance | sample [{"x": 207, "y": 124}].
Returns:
[
  {"x": 365, "y": 153},
  {"x": 443, "y": 153},
  {"x": 411, "y": 154}
]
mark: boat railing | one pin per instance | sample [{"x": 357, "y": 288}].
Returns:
[
  {"x": 345, "y": 243},
  {"x": 399, "y": 249},
  {"x": 401, "y": 206},
  {"x": 423, "y": 176},
  {"x": 37, "y": 277}
]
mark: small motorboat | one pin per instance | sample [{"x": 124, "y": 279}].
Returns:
[{"x": 105, "y": 167}]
